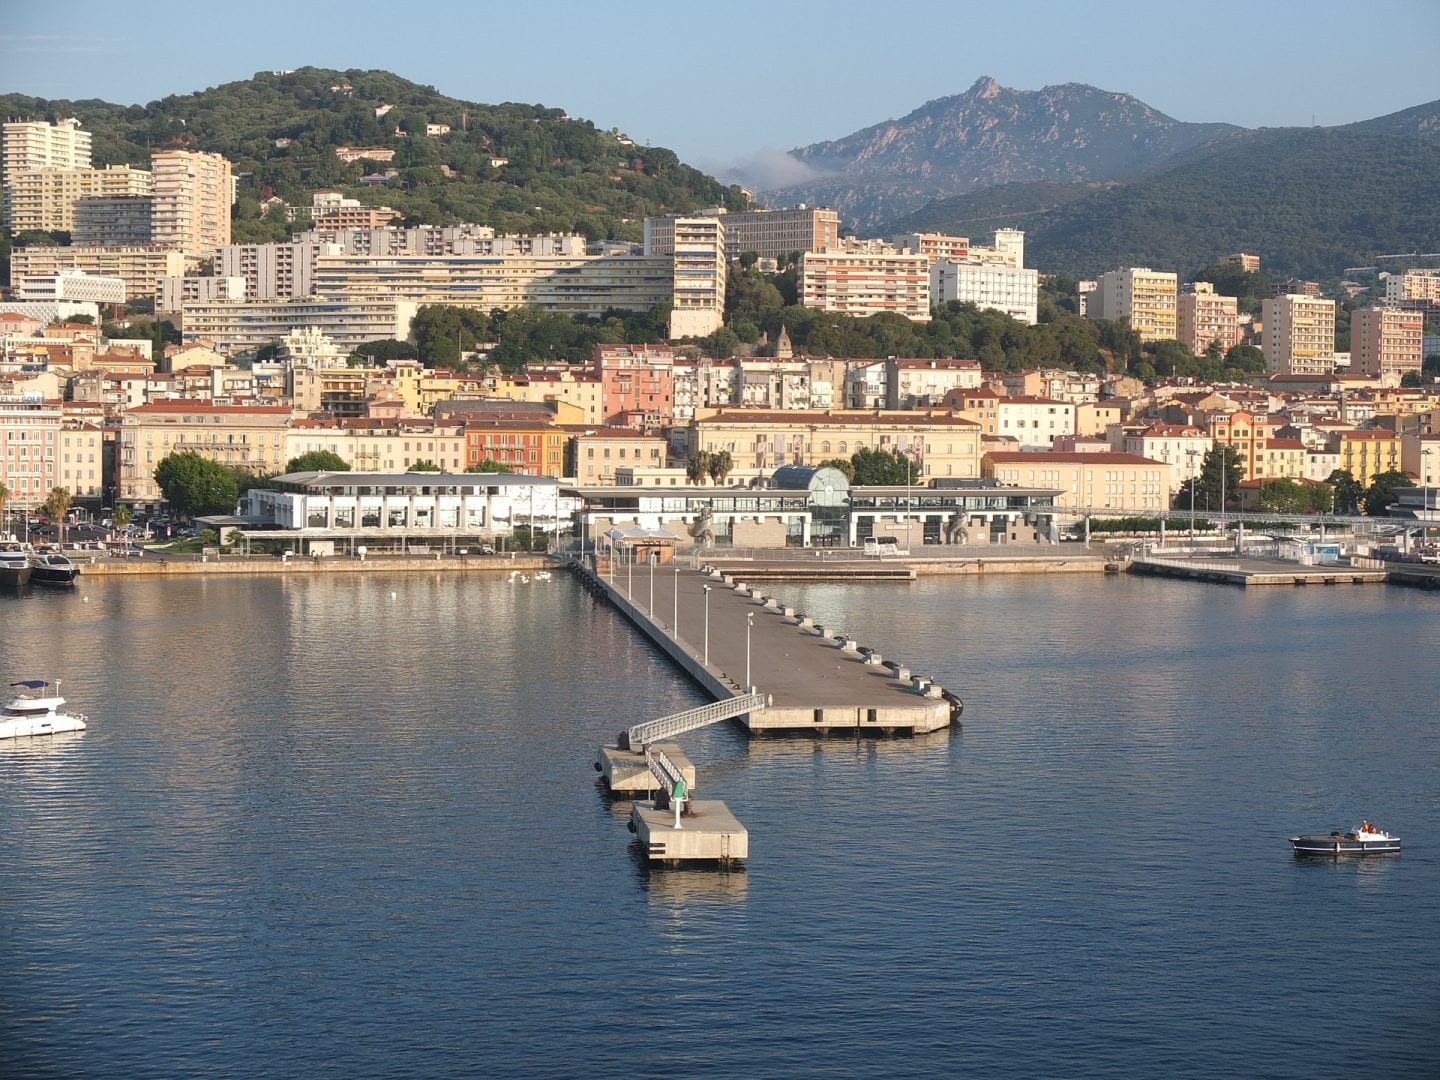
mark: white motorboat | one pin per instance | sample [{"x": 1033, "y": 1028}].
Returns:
[
  {"x": 1364, "y": 839},
  {"x": 32, "y": 713}
]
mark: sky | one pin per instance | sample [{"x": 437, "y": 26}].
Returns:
[{"x": 740, "y": 81}]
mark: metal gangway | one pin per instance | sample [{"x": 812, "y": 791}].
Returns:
[
  {"x": 673, "y": 792},
  {"x": 667, "y": 727}
]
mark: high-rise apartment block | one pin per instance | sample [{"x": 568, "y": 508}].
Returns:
[
  {"x": 698, "y": 304},
  {"x": 44, "y": 199},
  {"x": 111, "y": 220},
  {"x": 193, "y": 194},
  {"x": 1385, "y": 340},
  {"x": 1147, "y": 298},
  {"x": 1203, "y": 316},
  {"x": 1418, "y": 286},
  {"x": 1299, "y": 335},
  {"x": 771, "y": 234},
  {"x": 852, "y": 283},
  {"x": 139, "y": 266},
  {"x": 35, "y": 144},
  {"x": 1013, "y": 290}
]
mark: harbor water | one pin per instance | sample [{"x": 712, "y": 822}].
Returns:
[{"x": 348, "y": 826}]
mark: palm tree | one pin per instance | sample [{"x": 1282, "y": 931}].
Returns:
[
  {"x": 720, "y": 465},
  {"x": 699, "y": 466},
  {"x": 56, "y": 507},
  {"x": 4, "y": 499},
  {"x": 119, "y": 520}
]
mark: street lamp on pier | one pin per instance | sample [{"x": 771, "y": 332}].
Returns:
[
  {"x": 675, "y": 612},
  {"x": 749, "y": 625},
  {"x": 651, "y": 612},
  {"x": 1191, "y": 455},
  {"x": 705, "y": 655}
]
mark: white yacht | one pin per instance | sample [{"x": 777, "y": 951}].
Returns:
[{"x": 33, "y": 714}]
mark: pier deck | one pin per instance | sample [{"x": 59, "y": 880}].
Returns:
[
  {"x": 813, "y": 681},
  {"x": 708, "y": 833},
  {"x": 1246, "y": 572}
]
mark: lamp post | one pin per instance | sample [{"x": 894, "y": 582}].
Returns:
[
  {"x": 630, "y": 576},
  {"x": 1191, "y": 455},
  {"x": 675, "y": 613},
  {"x": 705, "y": 655},
  {"x": 749, "y": 625},
  {"x": 652, "y": 585},
  {"x": 1425, "y": 452}
]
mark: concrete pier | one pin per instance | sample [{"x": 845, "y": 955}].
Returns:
[
  {"x": 726, "y": 639},
  {"x": 708, "y": 833},
  {"x": 625, "y": 772}
]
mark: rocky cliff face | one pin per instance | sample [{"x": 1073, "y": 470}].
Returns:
[{"x": 990, "y": 135}]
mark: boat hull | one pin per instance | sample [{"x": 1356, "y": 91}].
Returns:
[
  {"x": 14, "y": 577},
  {"x": 1343, "y": 845},
  {"x": 49, "y": 574},
  {"x": 25, "y": 728}
]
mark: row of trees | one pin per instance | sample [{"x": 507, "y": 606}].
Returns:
[{"x": 1217, "y": 487}]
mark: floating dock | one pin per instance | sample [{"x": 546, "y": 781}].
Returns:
[
  {"x": 626, "y": 773},
  {"x": 708, "y": 833},
  {"x": 1247, "y": 572}
]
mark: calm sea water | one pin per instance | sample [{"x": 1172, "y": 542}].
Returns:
[{"x": 348, "y": 827}]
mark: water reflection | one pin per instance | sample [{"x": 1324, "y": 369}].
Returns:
[{"x": 46, "y": 749}]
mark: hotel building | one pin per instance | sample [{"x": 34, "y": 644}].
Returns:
[{"x": 992, "y": 286}]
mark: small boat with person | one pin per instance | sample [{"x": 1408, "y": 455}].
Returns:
[
  {"x": 33, "y": 713},
  {"x": 1364, "y": 839}
]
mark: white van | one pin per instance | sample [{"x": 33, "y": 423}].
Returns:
[{"x": 880, "y": 546}]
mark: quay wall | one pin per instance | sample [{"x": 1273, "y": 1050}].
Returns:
[{"x": 148, "y": 566}]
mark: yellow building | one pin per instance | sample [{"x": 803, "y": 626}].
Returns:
[
  {"x": 192, "y": 197},
  {"x": 82, "y": 468},
  {"x": 941, "y": 443},
  {"x": 596, "y": 455},
  {"x": 1147, "y": 298},
  {"x": 374, "y": 445},
  {"x": 44, "y": 200},
  {"x": 250, "y": 437},
  {"x": 1118, "y": 482},
  {"x": 140, "y": 267},
  {"x": 1367, "y": 452},
  {"x": 1248, "y": 433}
]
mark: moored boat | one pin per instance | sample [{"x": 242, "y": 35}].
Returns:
[
  {"x": 1364, "y": 839},
  {"x": 14, "y": 566},
  {"x": 37, "y": 714},
  {"x": 51, "y": 569}
]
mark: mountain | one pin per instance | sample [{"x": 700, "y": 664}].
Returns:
[
  {"x": 990, "y": 135},
  {"x": 1310, "y": 201},
  {"x": 558, "y": 173}
]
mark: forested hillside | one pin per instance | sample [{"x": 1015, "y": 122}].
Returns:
[{"x": 560, "y": 174}]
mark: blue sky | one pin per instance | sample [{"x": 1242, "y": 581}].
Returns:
[{"x": 728, "y": 81}]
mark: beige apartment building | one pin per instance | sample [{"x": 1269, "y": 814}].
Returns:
[
  {"x": 82, "y": 458},
  {"x": 1250, "y": 264},
  {"x": 1145, "y": 297},
  {"x": 250, "y": 437},
  {"x": 771, "y": 234},
  {"x": 1386, "y": 341},
  {"x": 1299, "y": 335},
  {"x": 1115, "y": 482},
  {"x": 37, "y": 144},
  {"x": 1204, "y": 316},
  {"x": 44, "y": 199},
  {"x": 597, "y": 455},
  {"x": 192, "y": 196},
  {"x": 697, "y": 305},
  {"x": 372, "y": 445},
  {"x": 860, "y": 284},
  {"x": 1179, "y": 445},
  {"x": 1418, "y": 286},
  {"x": 941, "y": 443},
  {"x": 241, "y": 328},
  {"x": 140, "y": 267}
]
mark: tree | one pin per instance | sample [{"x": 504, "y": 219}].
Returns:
[
  {"x": 4, "y": 498},
  {"x": 56, "y": 506},
  {"x": 721, "y": 463},
  {"x": 318, "y": 461},
  {"x": 845, "y": 465},
  {"x": 1381, "y": 493},
  {"x": 1284, "y": 496},
  {"x": 120, "y": 519},
  {"x": 882, "y": 467},
  {"x": 697, "y": 468},
  {"x": 195, "y": 485},
  {"x": 489, "y": 465},
  {"x": 424, "y": 465},
  {"x": 1348, "y": 491},
  {"x": 1220, "y": 476}
]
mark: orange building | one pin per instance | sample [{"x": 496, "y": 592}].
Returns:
[{"x": 535, "y": 449}]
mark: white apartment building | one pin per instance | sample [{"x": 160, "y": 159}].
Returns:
[
  {"x": 934, "y": 245},
  {"x": 1386, "y": 340},
  {"x": 1299, "y": 335},
  {"x": 1203, "y": 316},
  {"x": 866, "y": 284},
  {"x": 920, "y": 384},
  {"x": 171, "y": 293},
  {"x": 71, "y": 285},
  {"x": 1179, "y": 445},
  {"x": 1145, "y": 297},
  {"x": 771, "y": 234},
  {"x": 698, "y": 292},
  {"x": 138, "y": 266},
  {"x": 44, "y": 199},
  {"x": 1007, "y": 250},
  {"x": 244, "y": 327},
  {"x": 193, "y": 193},
  {"x": 1035, "y": 422},
  {"x": 36, "y": 144},
  {"x": 992, "y": 286},
  {"x": 274, "y": 271},
  {"x": 866, "y": 385}
]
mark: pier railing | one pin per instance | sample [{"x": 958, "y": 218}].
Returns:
[{"x": 667, "y": 727}]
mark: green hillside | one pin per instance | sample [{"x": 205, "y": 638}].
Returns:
[
  {"x": 979, "y": 213},
  {"x": 1309, "y": 201},
  {"x": 562, "y": 174}
]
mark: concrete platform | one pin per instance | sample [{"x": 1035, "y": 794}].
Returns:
[
  {"x": 1247, "y": 572},
  {"x": 709, "y": 833},
  {"x": 625, "y": 773}
]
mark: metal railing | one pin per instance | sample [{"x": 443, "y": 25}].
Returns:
[{"x": 668, "y": 727}]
